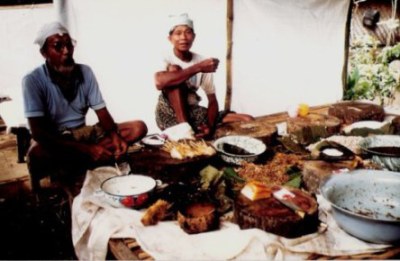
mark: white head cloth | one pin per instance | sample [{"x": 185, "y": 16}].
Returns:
[
  {"x": 49, "y": 30},
  {"x": 182, "y": 19}
]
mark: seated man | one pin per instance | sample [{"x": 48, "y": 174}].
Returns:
[
  {"x": 57, "y": 96},
  {"x": 182, "y": 73}
]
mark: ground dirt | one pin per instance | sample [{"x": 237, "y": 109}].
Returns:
[{"x": 32, "y": 226}]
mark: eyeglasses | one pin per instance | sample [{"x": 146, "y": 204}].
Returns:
[{"x": 59, "y": 46}]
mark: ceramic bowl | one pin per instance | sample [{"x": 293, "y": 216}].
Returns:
[
  {"x": 366, "y": 204},
  {"x": 365, "y": 128},
  {"x": 390, "y": 161},
  {"x": 252, "y": 146},
  {"x": 132, "y": 191}
]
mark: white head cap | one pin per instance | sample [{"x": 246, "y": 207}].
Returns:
[
  {"x": 182, "y": 19},
  {"x": 49, "y": 30}
]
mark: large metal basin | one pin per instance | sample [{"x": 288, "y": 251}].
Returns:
[{"x": 366, "y": 204}]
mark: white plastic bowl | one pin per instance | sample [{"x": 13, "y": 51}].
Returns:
[
  {"x": 366, "y": 204},
  {"x": 254, "y": 146}
]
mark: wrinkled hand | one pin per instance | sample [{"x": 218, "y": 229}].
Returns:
[{"x": 209, "y": 65}]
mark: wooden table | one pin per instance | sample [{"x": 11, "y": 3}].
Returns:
[{"x": 159, "y": 165}]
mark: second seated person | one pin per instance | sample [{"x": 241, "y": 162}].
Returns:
[{"x": 183, "y": 72}]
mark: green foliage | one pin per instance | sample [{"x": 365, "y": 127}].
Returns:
[{"x": 370, "y": 76}]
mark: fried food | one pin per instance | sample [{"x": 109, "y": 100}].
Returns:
[
  {"x": 272, "y": 173},
  {"x": 156, "y": 212},
  {"x": 188, "y": 149}
]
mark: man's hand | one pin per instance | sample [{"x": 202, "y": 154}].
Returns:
[
  {"x": 203, "y": 132},
  {"x": 209, "y": 65},
  {"x": 119, "y": 146},
  {"x": 99, "y": 153}
]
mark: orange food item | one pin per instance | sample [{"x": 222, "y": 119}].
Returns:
[
  {"x": 303, "y": 109},
  {"x": 255, "y": 190}
]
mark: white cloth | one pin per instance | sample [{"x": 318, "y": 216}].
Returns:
[
  {"x": 182, "y": 19},
  {"x": 47, "y": 30},
  {"x": 180, "y": 131},
  {"x": 94, "y": 222}
]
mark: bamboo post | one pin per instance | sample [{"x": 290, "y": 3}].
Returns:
[{"x": 229, "y": 24}]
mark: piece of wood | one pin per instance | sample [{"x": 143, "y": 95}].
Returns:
[
  {"x": 159, "y": 164},
  {"x": 229, "y": 29},
  {"x": 353, "y": 111},
  {"x": 315, "y": 171},
  {"x": 120, "y": 250},
  {"x": 259, "y": 129},
  {"x": 310, "y": 128},
  {"x": 270, "y": 215}
]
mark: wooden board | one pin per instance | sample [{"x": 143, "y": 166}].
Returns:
[
  {"x": 312, "y": 127},
  {"x": 258, "y": 128},
  {"x": 352, "y": 111},
  {"x": 314, "y": 171}
]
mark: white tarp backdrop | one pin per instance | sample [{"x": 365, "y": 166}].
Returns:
[
  {"x": 287, "y": 52},
  {"x": 18, "y": 54},
  {"x": 284, "y": 52}
]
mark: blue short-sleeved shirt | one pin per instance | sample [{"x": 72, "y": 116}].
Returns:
[{"x": 43, "y": 98}]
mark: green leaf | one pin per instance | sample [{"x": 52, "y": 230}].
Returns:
[
  {"x": 230, "y": 173},
  {"x": 295, "y": 181}
]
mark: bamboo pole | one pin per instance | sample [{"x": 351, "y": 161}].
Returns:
[{"x": 229, "y": 25}]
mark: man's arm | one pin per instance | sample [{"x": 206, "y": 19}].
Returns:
[
  {"x": 212, "y": 110},
  {"x": 41, "y": 133},
  {"x": 165, "y": 79}
]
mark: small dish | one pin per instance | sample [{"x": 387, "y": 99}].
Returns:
[
  {"x": 365, "y": 128},
  {"x": 131, "y": 191},
  {"x": 237, "y": 149},
  {"x": 154, "y": 140}
]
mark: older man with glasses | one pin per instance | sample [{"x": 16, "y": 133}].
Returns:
[{"x": 57, "y": 96}]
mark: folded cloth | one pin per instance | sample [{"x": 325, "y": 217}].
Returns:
[
  {"x": 180, "y": 131},
  {"x": 94, "y": 222}
]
